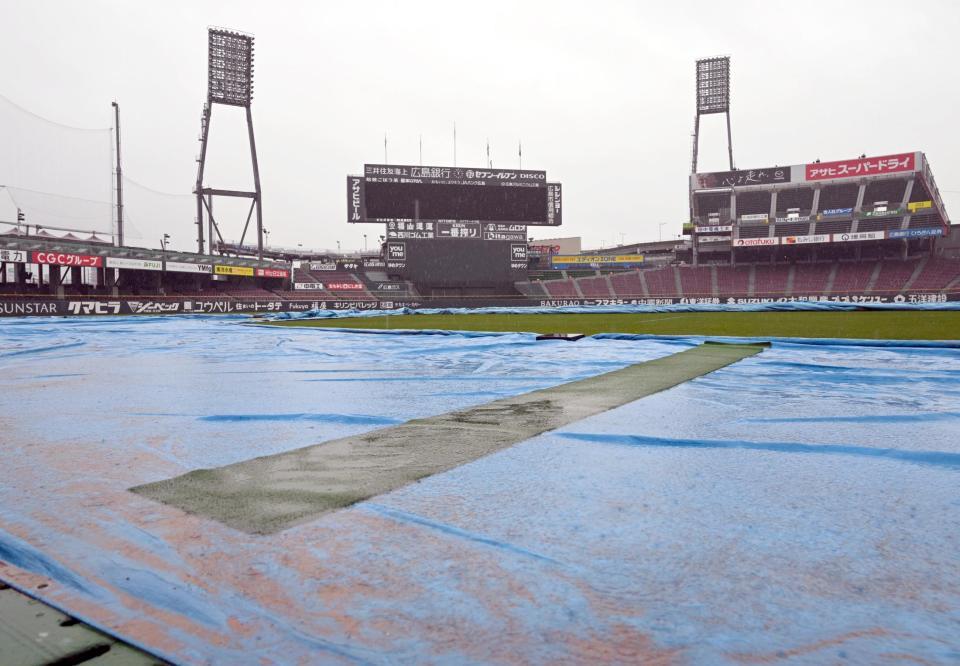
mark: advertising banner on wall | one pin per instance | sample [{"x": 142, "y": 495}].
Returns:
[
  {"x": 836, "y": 212},
  {"x": 185, "y": 267},
  {"x": 308, "y": 286},
  {"x": 505, "y": 232},
  {"x": 859, "y": 236},
  {"x": 914, "y": 206},
  {"x": 469, "y": 230},
  {"x": 245, "y": 271},
  {"x": 554, "y": 207},
  {"x": 868, "y": 166},
  {"x": 67, "y": 259},
  {"x": 915, "y": 233},
  {"x": 755, "y": 217},
  {"x": 410, "y": 229},
  {"x": 323, "y": 266},
  {"x": 13, "y": 256},
  {"x": 894, "y": 212},
  {"x": 356, "y": 206},
  {"x": 436, "y": 175},
  {"x": 715, "y": 229},
  {"x": 389, "y": 286},
  {"x": 755, "y": 242},
  {"x": 713, "y": 239},
  {"x": 789, "y": 220},
  {"x": 272, "y": 272},
  {"x": 767, "y": 176},
  {"x": 136, "y": 264},
  {"x": 801, "y": 240},
  {"x": 562, "y": 261},
  {"x": 344, "y": 286}
]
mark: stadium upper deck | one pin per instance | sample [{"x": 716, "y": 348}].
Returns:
[{"x": 867, "y": 199}]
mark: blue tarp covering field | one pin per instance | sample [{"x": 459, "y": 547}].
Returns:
[{"x": 800, "y": 506}]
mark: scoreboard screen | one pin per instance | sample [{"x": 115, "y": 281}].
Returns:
[
  {"x": 418, "y": 201},
  {"x": 402, "y": 193},
  {"x": 456, "y": 264}
]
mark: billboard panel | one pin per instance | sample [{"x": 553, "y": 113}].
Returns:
[
  {"x": 13, "y": 256},
  {"x": 434, "y": 175},
  {"x": 915, "y": 233},
  {"x": 136, "y": 264},
  {"x": 67, "y": 259},
  {"x": 561, "y": 261},
  {"x": 801, "y": 240},
  {"x": 245, "y": 271},
  {"x": 859, "y": 236},
  {"x": 356, "y": 209},
  {"x": 866, "y": 166},
  {"x": 184, "y": 267},
  {"x": 767, "y": 176},
  {"x": 754, "y": 242}
]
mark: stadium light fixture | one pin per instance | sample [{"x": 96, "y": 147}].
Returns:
[
  {"x": 713, "y": 85},
  {"x": 229, "y": 67}
]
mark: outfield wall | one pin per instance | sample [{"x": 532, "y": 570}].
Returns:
[{"x": 86, "y": 306}]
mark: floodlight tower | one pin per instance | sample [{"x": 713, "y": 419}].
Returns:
[
  {"x": 713, "y": 96},
  {"x": 229, "y": 82}
]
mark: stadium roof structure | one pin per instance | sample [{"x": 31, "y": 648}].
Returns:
[
  {"x": 41, "y": 244},
  {"x": 912, "y": 165}
]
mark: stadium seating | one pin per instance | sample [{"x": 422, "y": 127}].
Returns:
[
  {"x": 833, "y": 227},
  {"x": 661, "y": 282},
  {"x": 811, "y": 279},
  {"x": 752, "y": 203},
  {"x": 595, "y": 287},
  {"x": 696, "y": 282},
  {"x": 753, "y": 231},
  {"x": 733, "y": 280},
  {"x": 771, "y": 280},
  {"x": 561, "y": 289},
  {"x": 796, "y": 197},
  {"x": 936, "y": 274},
  {"x": 838, "y": 196},
  {"x": 852, "y": 277},
  {"x": 890, "y": 191},
  {"x": 894, "y": 275},
  {"x": 793, "y": 229},
  {"x": 627, "y": 285}
]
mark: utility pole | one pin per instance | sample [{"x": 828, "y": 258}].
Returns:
[{"x": 116, "y": 122}]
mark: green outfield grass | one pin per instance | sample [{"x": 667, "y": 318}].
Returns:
[{"x": 889, "y": 325}]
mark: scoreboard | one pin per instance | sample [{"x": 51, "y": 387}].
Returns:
[
  {"x": 388, "y": 193},
  {"x": 454, "y": 226}
]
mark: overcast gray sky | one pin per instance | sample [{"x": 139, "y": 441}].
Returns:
[{"x": 601, "y": 95}]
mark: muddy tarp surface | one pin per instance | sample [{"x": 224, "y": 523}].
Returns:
[{"x": 802, "y": 504}]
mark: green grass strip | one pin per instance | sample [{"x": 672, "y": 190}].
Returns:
[
  {"x": 269, "y": 494},
  {"x": 874, "y": 325}
]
